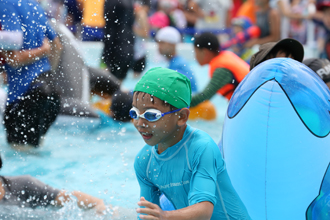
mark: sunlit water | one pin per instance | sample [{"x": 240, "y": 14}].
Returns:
[{"x": 93, "y": 157}]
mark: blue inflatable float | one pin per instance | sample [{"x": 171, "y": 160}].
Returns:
[{"x": 276, "y": 142}]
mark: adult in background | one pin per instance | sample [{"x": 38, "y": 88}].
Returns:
[
  {"x": 32, "y": 103},
  {"x": 118, "y": 36},
  {"x": 288, "y": 47},
  {"x": 226, "y": 69}
]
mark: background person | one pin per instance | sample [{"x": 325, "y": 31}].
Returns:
[
  {"x": 284, "y": 48},
  {"x": 38, "y": 194},
  {"x": 118, "y": 39},
  {"x": 32, "y": 102},
  {"x": 226, "y": 69},
  {"x": 167, "y": 38},
  {"x": 269, "y": 23}
]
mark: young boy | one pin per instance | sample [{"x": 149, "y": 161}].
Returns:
[
  {"x": 226, "y": 69},
  {"x": 167, "y": 38},
  {"x": 179, "y": 161}
]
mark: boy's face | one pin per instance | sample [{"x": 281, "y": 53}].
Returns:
[
  {"x": 165, "y": 49},
  {"x": 200, "y": 56},
  {"x": 163, "y": 132}
]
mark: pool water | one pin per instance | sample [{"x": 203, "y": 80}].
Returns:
[{"x": 93, "y": 156}]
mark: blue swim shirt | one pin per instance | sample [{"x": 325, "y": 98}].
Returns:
[
  {"x": 189, "y": 172},
  {"x": 180, "y": 65},
  {"x": 26, "y": 16}
]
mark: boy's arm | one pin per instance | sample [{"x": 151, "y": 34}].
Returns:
[
  {"x": 142, "y": 28},
  {"x": 84, "y": 201},
  {"x": 220, "y": 77},
  {"x": 199, "y": 211},
  {"x": 18, "y": 58}
]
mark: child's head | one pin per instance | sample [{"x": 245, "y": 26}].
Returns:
[
  {"x": 206, "y": 46},
  {"x": 160, "y": 105},
  {"x": 167, "y": 38},
  {"x": 284, "y": 48},
  {"x": 240, "y": 24},
  {"x": 120, "y": 106}
]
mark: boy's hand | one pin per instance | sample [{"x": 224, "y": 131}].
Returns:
[
  {"x": 151, "y": 210},
  {"x": 46, "y": 47}
]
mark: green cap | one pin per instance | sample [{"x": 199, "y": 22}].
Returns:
[{"x": 167, "y": 85}]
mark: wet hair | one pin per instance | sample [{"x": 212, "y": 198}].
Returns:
[
  {"x": 209, "y": 41},
  {"x": 0, "y": 162},
  {"x": 120, "y": 105},
  {"x": 164, "y": 103}
]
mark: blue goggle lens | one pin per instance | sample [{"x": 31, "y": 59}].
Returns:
[{"x": 133, "y": 114}]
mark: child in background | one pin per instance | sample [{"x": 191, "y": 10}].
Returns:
[
  {"x": 38, "y": 194},
  {"x": 239, "y": 25},
  {"x": 226, "y": 69},
  {"x": 167, "y": 38},
  {"x": 179, "y": 161}
]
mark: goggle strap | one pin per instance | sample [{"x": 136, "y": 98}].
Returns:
[{"x": 176, "y": 110}]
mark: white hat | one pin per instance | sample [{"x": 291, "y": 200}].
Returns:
[{"x": 168, "y": 35}]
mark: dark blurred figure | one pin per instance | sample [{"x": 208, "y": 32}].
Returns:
[
  {"x": 118, "y": 36},
  {"x": 120, "y": 106}
]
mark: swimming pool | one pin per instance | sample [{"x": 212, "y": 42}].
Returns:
[{"x": 82, "y": 154}]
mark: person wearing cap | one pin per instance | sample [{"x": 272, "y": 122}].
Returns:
[
  {"x": 226, "y": 69},
  {"x": 288, "y": 47},
  {"x": 38, "y": 194},
  {"x": 321, "y": 67},
  {"x": 178, "y": 161},
  {"x": 167, "y": 38}
]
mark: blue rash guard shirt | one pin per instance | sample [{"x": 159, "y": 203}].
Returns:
[
  {"x": 180, "y": 65},
  {"x": 189, "y": 172},
  {"x": 29, "y": 17}
]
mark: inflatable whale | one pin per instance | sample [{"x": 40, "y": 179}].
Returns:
[{"x": 276, "y": 142}]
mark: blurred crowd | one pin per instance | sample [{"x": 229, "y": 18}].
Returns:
[{"x": 240, "y": 24}]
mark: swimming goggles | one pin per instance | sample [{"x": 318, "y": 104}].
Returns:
[{"x": 150, "y": 115}]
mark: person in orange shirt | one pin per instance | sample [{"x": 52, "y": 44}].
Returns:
[
  {"x": 226, "y": 70},
  {"x": 92, "y": 20}
]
